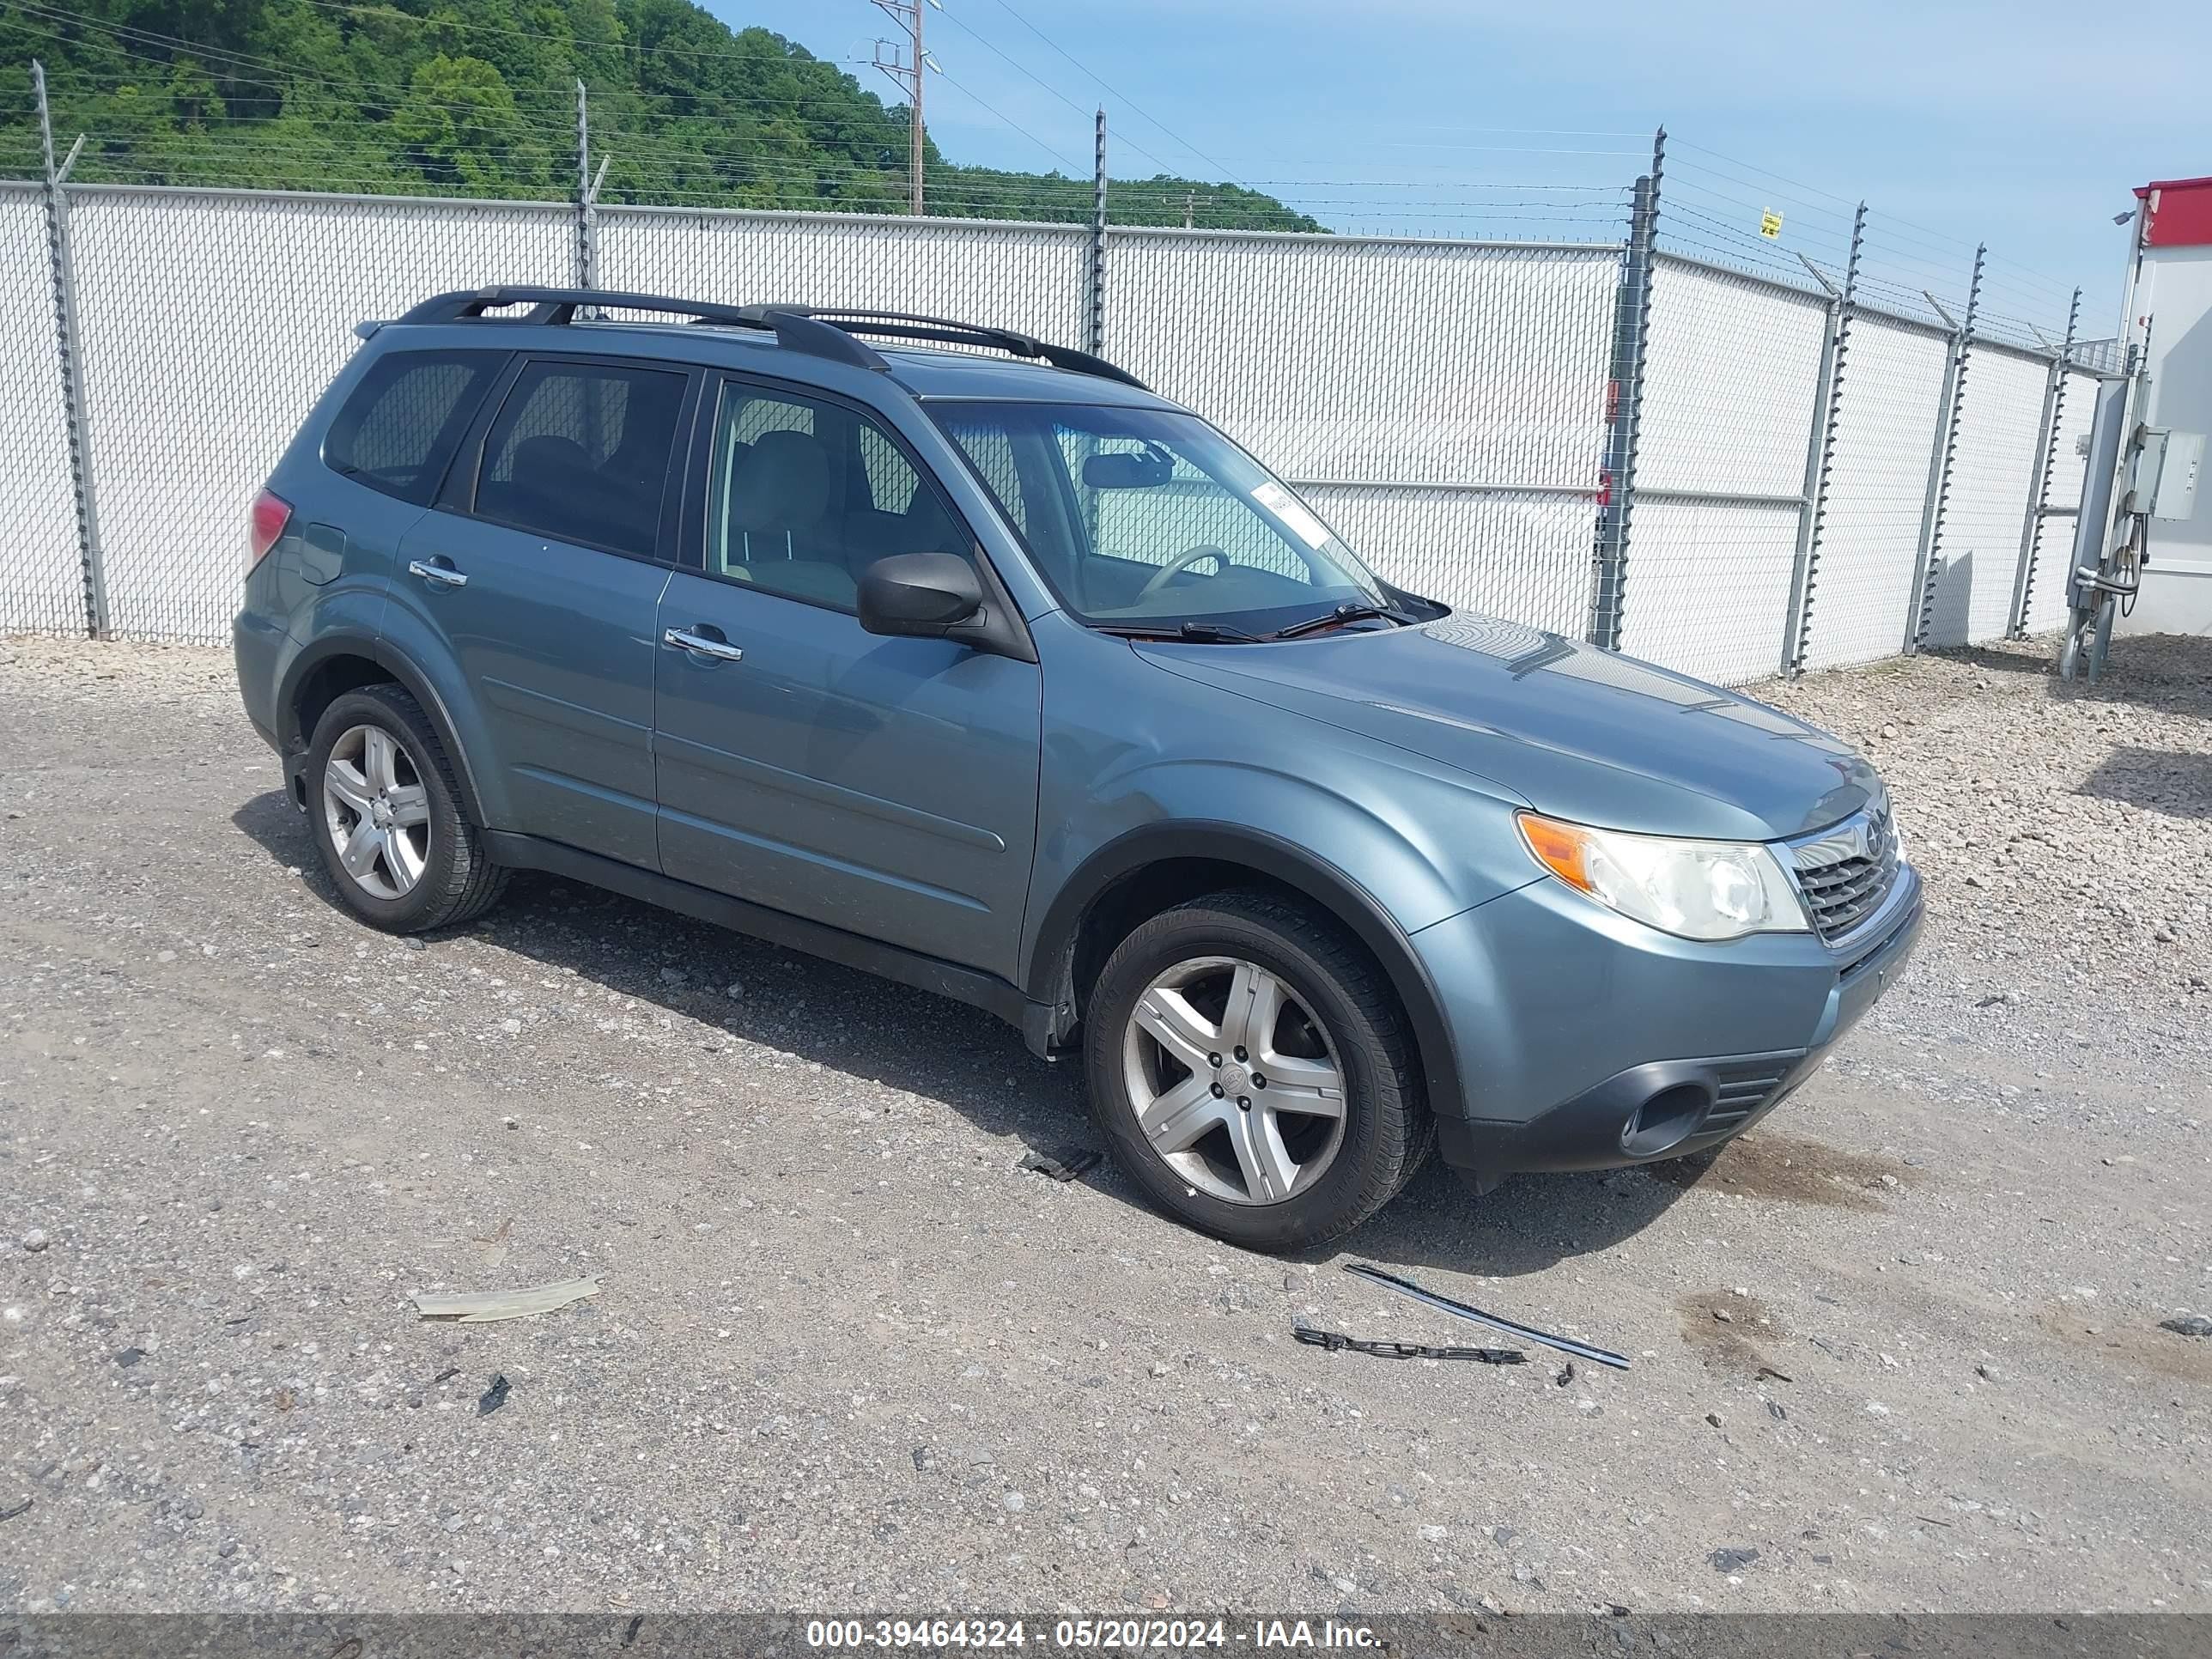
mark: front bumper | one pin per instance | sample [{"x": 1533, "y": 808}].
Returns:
[{"x": 1590, "y": 1042}]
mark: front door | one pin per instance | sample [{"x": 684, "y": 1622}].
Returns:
[
  {"x": 886, "y": 786},
  {"x": 539, "y": 571}
]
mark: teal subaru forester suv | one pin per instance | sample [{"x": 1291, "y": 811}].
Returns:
[{"x": 958, "y": 657}]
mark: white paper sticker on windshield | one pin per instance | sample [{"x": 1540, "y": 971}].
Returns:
[{"x": 1292, "y": 512}]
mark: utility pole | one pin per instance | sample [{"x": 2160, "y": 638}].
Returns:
[{"x": 906, "y": 72}]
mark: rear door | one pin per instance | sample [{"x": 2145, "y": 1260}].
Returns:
[
  {"x": 397, "y": 427},
  {"x": 887, "y": 787},
  {"x": 538, "y": 573}
]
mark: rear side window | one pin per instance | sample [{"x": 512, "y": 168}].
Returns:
[
  {"x": 580, "y": 453},
  {"x": 398, "y": 427}
]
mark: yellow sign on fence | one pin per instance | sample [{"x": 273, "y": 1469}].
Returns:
[{"x": 1769, "y": 223}]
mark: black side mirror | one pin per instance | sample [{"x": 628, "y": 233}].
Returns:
[{"x": 919, "y": 595}]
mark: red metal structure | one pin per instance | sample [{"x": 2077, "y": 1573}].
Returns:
[{"x": 2177, "y": 212}]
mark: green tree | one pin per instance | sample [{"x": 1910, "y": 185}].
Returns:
[
  {"x": 478, "y": 96},
  {"x": 458, "y": 126}
]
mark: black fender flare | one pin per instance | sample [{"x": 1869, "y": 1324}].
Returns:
[
  {"x": 292, "y": 742},
  {"x": 1052, "y": 956}
]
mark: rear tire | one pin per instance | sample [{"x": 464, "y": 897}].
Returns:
[
  {"x": 384, "y": 810},
  {"x": 1193, "y": 1012}
]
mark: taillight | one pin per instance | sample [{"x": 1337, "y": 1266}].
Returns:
[{"x": 271, "y": 512}]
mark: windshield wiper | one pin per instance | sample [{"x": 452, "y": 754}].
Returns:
[
  {"x": 1203, "y": 633},
  {"x": 1350, "y": 611}
]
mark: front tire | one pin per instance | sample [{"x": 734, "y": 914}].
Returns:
[
  {"x": 1248, "y": 1068},
  {"x": 385, "y": 814}
]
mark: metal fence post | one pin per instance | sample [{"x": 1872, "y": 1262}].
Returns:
[
  {"x": 1928, "y": 566},
  {"x": 1632, "y": 330},
  {"x": 69, "y": 339},
  {"x": 586, "y": 242},
  {"x": 1820, "y": 453},
  {"x": 1094, "y": 267},
  {"x": 2046, "y": 455}
]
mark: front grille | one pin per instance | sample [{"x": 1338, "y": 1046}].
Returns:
[{"x": 1846, "y": 872}]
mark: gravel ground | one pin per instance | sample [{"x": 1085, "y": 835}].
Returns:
[{"x": 1899, "y": 1351}]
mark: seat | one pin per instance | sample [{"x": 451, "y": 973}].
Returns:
[
  {"x": 776, "y": 534},
  {"x": 544, "y": 471},
  {"x": 632, "y": 479},
  {"x": 926, "y": 527},
  {"x": 931, "y": 527}
]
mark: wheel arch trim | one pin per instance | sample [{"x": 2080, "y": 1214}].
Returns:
[
  {"x": 1049, "y": 967},
  {"x": 293, "y": 742}
]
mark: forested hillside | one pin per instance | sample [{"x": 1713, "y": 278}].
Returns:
[{"x": 433, "y": 95}]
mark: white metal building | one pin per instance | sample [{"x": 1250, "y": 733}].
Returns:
[{"x": 2171, "y": 305}]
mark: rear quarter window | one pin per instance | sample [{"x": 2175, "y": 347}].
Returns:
[{"x": 400, "y": 425}]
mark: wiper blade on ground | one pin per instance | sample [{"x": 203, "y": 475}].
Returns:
[
  {"x": 1202, "y": 632},
  {"x": 1347, "y": 612}
]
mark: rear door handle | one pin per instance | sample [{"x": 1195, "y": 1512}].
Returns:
[
  {"x": 699, "y": 645},
  {"x": 443, "y": 575}
]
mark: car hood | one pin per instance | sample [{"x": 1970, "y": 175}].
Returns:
[{"x": 1575, "y": 731}]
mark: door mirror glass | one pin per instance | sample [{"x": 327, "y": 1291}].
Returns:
[{"x": 919, "y": 595}]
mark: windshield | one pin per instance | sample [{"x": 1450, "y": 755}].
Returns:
[{"x": 1148, "y": 517}]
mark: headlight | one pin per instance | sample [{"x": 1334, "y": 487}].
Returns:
[{"x": 1709, "y": 889}]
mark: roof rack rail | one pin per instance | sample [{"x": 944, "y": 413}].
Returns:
[
  {"x": 818, "y": 331},
  {"x": 908, "y": 325},
  {"x": 557, "y": 305}
]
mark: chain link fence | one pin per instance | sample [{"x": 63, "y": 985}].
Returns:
[
  {"x": 1992, "y": 479},
  {"x": 41, "y": 572},
  {"x": 211, "y": 320},
  {"x": 1720, "y": 473},
  {"x": 1439, "y": 403},
  {"x": 1886, "y": 418},
  {"x": 1015, "y": 276},
  {"x": 1456, "y": 410}
]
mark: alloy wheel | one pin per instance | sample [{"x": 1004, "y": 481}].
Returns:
[
  {"x": 1234, "y": 1081},
  {"x": 378, "y": 812}
]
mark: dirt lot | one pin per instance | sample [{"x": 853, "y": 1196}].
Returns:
[{"x": 1903, "y": 1344}]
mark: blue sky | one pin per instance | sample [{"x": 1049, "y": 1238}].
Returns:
[{"x": 1957, "y": 123}]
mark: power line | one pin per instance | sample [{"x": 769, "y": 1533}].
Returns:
[
  {"x": 989, "y": 46},
  {"x": 1126, "y": 103},
  {"x": 1011, "y": 122},
  {"x": 1815, "y": 190}
]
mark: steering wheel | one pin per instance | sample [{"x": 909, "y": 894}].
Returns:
[{"x": 1182, "y": 562}]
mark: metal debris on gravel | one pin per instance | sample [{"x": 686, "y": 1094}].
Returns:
[{"x": 483, "y": 1307}]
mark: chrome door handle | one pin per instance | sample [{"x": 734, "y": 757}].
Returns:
[
  {"x": 700, "y": 645},
  {"x": 444, "y": 575}
]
